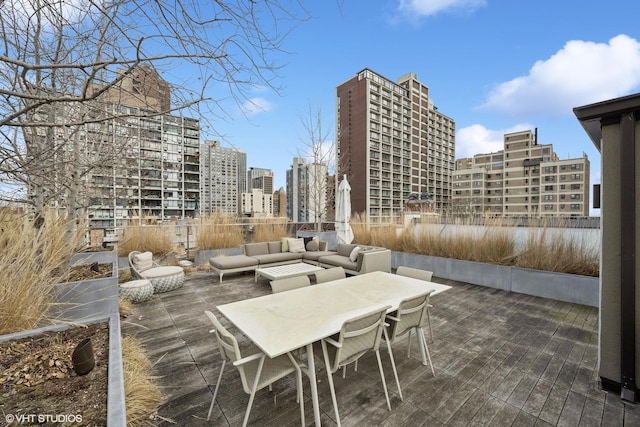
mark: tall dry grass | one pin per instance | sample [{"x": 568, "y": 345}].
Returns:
[
  {"x": 267, "y": 230},
  {"x": 547, "y": 250},
  {"x": 218, "y": 231},
  {"x": 483, "y": 244},
  {"x": 154, "y": 238},
  {"x": 548, "y": 247},
  {"x": 142, "y": 395},
  {"x": 32, "y": 262}
]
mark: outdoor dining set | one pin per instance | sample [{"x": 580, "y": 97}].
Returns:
[{"x": 347, "y": 316}]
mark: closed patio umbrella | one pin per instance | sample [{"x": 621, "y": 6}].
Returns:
[{"x": 343, "y": 212}]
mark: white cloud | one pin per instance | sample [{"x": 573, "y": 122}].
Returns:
[
  {"x": 256, "y": 105},
  {"x": 432, "y": 7},
  {"x": 582, "y": 72},
  {"x": 477, "y": 139}
]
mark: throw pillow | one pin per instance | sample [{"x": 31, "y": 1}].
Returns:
[
  {"x": 296, "y": 245},
  {"x": 354, "y": 254},
  {"x": 307, "y": 240},
  {"x": 143, "y": 261},
  {"x": 313, "y": 245},
  {"x": 285, "y": 244}
]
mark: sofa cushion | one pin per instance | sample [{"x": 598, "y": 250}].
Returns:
[
  {"x": 313, "y": 244},
  {"x": 353, "y": 256},
  {"x": 315, "y": 255},
  {"x": 279, "y": 257},
  {"x": 345, "y": 249},
  {"x": 158, "y": 272},
  {"x": 142, "y": 261},
  {"x": 233, "y": 261},
  {"x": 252, "y": 249},
  {"x": 339, "y": 261},
  {"x": 275, "y": 247},
  {"x": 296, "y": 245}
]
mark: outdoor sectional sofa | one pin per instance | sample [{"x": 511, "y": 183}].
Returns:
[{"x": 269, "y": 254}]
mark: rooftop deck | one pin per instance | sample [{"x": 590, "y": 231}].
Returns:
[{"x": 500, "y": 359}]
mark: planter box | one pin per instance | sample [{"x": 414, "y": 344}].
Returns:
[
  {"x": 558, "y": 286},
  {"x": 86, "y": 300},
  {"x": 116, "y": 409}
]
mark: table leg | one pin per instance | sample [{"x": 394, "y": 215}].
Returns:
[{"x": 311, "y": 373}]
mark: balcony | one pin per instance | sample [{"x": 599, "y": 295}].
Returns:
[{"x": 500, "y": 358}]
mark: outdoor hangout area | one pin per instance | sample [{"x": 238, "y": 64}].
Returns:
[{"x": 491, "y": 357}]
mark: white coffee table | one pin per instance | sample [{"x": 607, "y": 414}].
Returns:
[{"x": 287, "y": 270}]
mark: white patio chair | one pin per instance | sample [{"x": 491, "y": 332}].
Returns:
[
  {"x": 256, "y": 371},
  {"x": 411, "y": 315},
  {"x": 334, "y": 273},
  {"x": 162, "y": 278},
  {"x": 356, "y": 337},
  {"x": 281, "y": 285},
  {"x": 421, "y": 275}
]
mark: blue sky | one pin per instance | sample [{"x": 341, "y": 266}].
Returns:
[{"x": 494, "y": 66}]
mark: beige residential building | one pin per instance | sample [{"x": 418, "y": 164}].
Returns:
[
  {"x": 256, "y": 204},
  {"x": 523, "y": 179},
  {"x": 393, "y": 144}
]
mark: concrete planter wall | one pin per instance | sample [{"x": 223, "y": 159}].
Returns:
[
  {"x": 86, "y": 300},
  {"x": 558, "y": 286},
  {"x": 116, "y": 409}
]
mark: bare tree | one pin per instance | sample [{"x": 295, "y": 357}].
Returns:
[
  {"x": 319, "y": 152},
  {"x": 61, "y": 60}
]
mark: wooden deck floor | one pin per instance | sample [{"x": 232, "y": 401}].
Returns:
[{"x": 500, "y": 358}]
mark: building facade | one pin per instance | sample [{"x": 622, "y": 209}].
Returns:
[
  {"x": 523, "y": 179},
  {"x": 256, "y": 204},
  {"x": 280, "y": 203},
  {"x": 260, "y": 178},
  {"x": 222, "y": 178},
  {"x": 306, "y": 191},
  {"x": 147, "y": 164},
  {"x": 392, "y": 143}
]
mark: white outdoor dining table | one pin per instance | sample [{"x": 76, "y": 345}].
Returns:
[{"x": 283, "y": 322}]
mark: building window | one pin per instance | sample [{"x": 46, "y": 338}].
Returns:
[{"x": 575, "y": 196}]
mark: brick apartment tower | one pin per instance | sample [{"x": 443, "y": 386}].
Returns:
[
  {"x": 392, "y": 142},
  {"x": 524, "y": 179}
]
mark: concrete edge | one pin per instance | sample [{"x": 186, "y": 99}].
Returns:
[
  {"x": 116, "y": 406},
  {"x": 571, "y": 288}
]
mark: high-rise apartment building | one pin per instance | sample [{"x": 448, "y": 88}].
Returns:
[
  {"x": 524, "y": 179},
  {"x": 392, "y": 143},
  {"x": 153, "y": 168},
  {"x": 280, "y": 203},
  {"x": 222, "y": 178},
  {"x": 260, "y": 178},
  {"x": 256, "y": 204},
  {"x": 306, "y": 191}
]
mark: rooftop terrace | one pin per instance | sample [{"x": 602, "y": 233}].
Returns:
[{"x": 500, "y": 359}]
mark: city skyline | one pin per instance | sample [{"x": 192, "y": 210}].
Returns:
[{"x": 493, "y": 67}]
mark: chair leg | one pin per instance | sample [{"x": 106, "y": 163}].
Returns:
[
  {"x": 393, "y": 362},
  {"x": 409, "y": 343},
  {"x": 384, "y": 382},
  {"x": 253, "y": 391},
  {"x": 425, "y": 348},
  {"x": 215, "y": 393},
  {"x": 327, "y": 365},
  {"x": 429, "y": 320}
]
